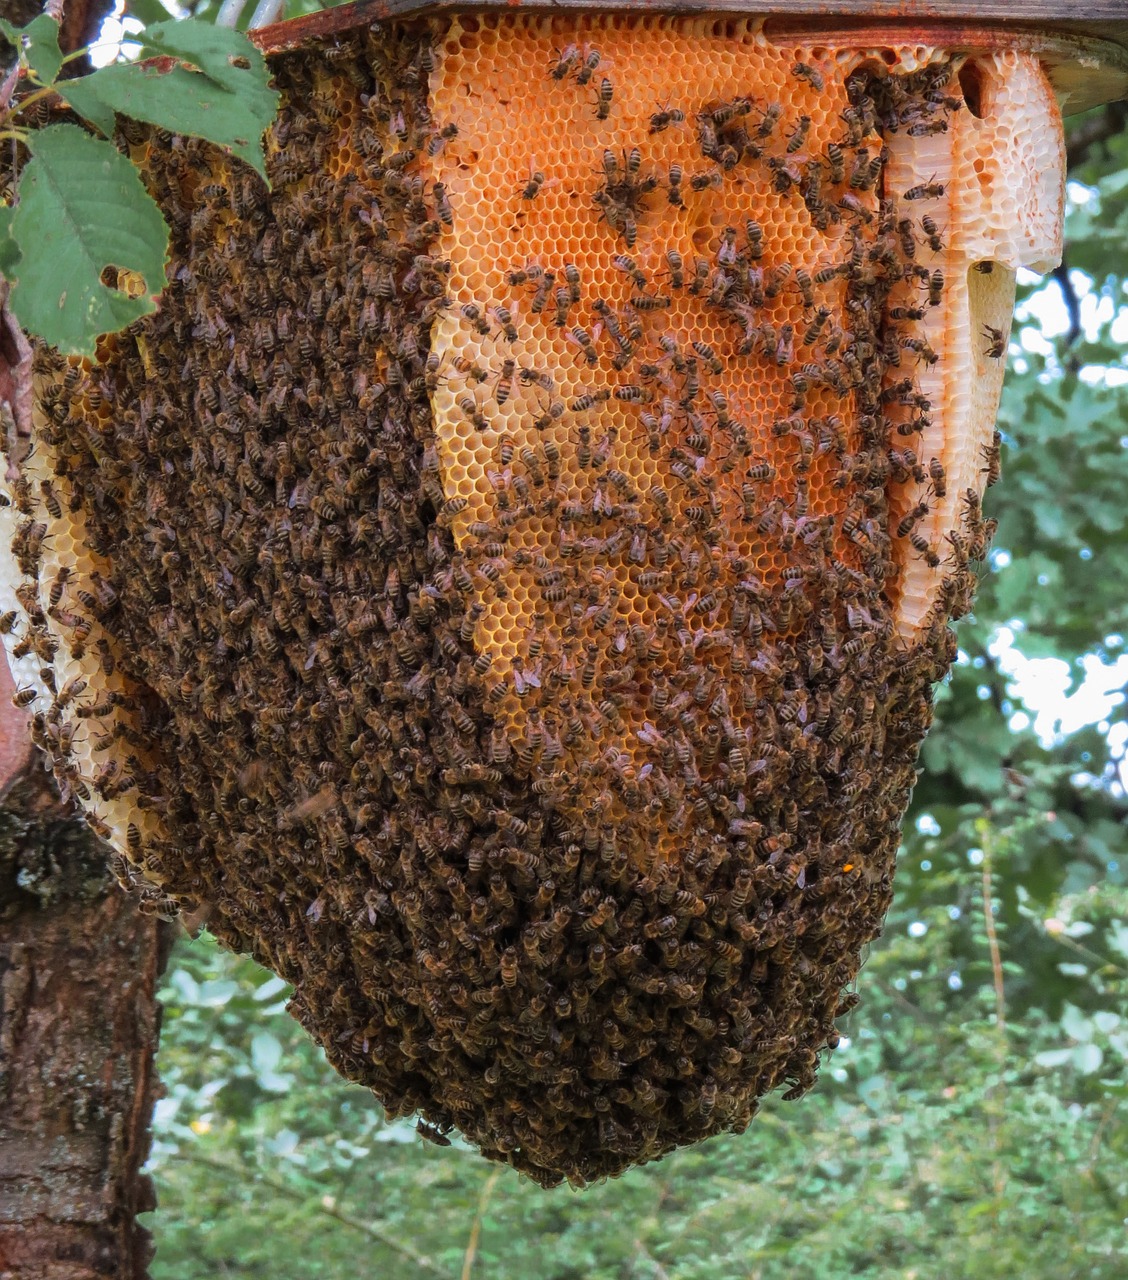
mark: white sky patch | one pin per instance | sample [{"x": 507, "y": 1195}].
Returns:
[
  {"x": 1042, "y": 685},
  {"x": 113, "y": 37},
  {"x": 1047, "y": 310}
]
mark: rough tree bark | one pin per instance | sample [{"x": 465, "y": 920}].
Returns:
[
  {"x": 78, "y": 973},
  {"x": 78, "y": 1034}
]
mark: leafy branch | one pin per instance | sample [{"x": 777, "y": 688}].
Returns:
[{"x": 82, "y": 243}]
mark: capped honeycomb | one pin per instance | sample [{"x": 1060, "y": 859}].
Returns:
[{"x": 503, "y": 584}]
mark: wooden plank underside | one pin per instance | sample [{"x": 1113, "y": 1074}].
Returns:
[{"x": 1086, "y": 57}]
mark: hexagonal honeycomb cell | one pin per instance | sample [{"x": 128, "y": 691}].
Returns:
[{"x": 503, "y": 584}]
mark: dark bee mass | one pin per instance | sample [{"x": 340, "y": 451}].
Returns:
[{"x": 477, "y": 920}]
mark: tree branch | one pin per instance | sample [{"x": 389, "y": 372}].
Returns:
[{"x": 1090, "y": 133}]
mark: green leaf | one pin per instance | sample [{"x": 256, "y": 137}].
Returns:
[
  {"x": 39, "y": 42},
  {"x": 223, "y": 96},
  {"x": 82, "y": 209},
  {"x": 266, "y": 1052},
  {"x": 1053, "y": 1057},
  {"x": 215, "y": 994},
  {"x": 1075, "y": 1025},
  {"x": 9, "y": 250},
  {"x": 1087, "y": 1058}
]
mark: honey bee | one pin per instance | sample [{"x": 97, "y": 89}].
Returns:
[
  {"x": 504, "y": 318},
  {"x": 710, "y": 178},
  {"x": 536, "y": 181},
  {"x": 51, "y": 500},
  {"x": 928, "y": 224},
  {"x": 663, "y": 119},
  {"x": 541, "y": 296},
  {"x": 531, "y": 273},
  {"x": 673, "y": 189},
  {"x": 441, "y": 138},
  {"x": 770, "y": 118},
  {"x": 590, "y": 63},
  {"x": 997, "y": 344},
  {"x": 804, "y": 71},
  {"x": 442, "y": 204},
  {"x": 912, "y": 518},
  {"x": 603, "y": 100},
  {"x": 924, "y": 548},
  {"x": 589, "y": 399},
  {"x": 630, "y": 268},
  {"x": 936, "y": 289},
  {"x": 650, "y": 301},
  {"x": 472, "y": 312},
  {"x": 925, "y": 191},
  {"x": 572, "y": 276},
  {"x": 565, "y": 61},
  {"x": 991, "y": 456},
  {"x": 925, "y": 128},
  {"x": 798, "y": 136},
  {"x": 836, "y": 158},
  {"x": 582, "y": 339},
  {"x": 922, "y": 348},
  {"x": 469, "y": 407}
]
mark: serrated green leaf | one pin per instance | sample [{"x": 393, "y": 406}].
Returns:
[
  {"x": 39, "y": 41},
  {"x": 9, "y": 250},
  {"x": 85, "y": 100},
  {"x": 219, "y": 52},
  {"x": 82, "y": 209},
  {"x": 224, "y": 96}
]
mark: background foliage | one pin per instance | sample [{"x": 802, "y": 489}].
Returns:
[{"x": 973, "y": 1122}]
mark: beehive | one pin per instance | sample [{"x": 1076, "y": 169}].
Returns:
[{"x": 504, "y": 583}]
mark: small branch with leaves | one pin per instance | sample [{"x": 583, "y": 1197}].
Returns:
[{"x": 78, "y": 215}]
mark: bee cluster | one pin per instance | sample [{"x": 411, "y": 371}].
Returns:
[{"x": 588, "y": 891}]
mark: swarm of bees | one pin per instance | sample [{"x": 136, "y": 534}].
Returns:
[{"x": 592, "y": 903}]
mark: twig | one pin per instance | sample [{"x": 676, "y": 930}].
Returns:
[
  {"x": 1107, "y": 1112},
  {"x": 998, "y": 1101},
  {"x": 230, "y": 11},
  {"x": 476, "y": 1228},
  {"x": 373, "y": 1233},
  {"x": 9, "y": 86},
  {"x": 993, "y": 947},
  {"x": 1071, "y": 300},
  {"x": 15, "y": 381},
  {"x": 920, "y": 1014},
  {"x": 660, "y": 1272},
  {"x": 265, "y": 13}
]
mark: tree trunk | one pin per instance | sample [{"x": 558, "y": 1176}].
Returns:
[
  {"x": 78, "y": 973},
  {"x": 78, "y": 1032}
]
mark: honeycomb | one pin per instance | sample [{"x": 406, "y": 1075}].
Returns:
[{"x": 503, "y": 584}]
